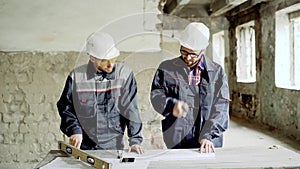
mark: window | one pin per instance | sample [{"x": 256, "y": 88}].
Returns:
[
  {"x": 295, "y": 54},
  {"x": 219, "y": 48},
  {"x": 287, "y": 52},
  {"x": 246, "y": 59}
]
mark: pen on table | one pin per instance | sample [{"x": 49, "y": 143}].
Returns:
[{"x": 120, "y": 154}]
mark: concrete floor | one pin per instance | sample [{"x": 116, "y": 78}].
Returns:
[{"x": 246, "y": 133}]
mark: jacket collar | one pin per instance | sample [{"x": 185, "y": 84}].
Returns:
[{"x": 208, "y": 64}]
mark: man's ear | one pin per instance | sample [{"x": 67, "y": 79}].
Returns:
[
  {"x": 202, "y": 51},
  {"x": 92, "y": 59}
]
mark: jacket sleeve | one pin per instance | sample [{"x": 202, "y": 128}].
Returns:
[
  {"x": 161, "y": 102},
  {"x": 218, "y": 119},
  {"x": 69, "y": 123},
  {"x": 129, "y": 109}
]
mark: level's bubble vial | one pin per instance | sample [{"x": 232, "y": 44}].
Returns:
[
  {"x": 69, "y": 150},
  {"x": 90, "y": 160}
]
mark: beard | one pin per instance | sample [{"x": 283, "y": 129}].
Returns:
[
  {"x": 192, "y": 64},
  {"x": 104, "y": 69}
]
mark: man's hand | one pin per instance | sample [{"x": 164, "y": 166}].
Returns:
[
  {"x": 206, "y": 146},
  {"x": 136, "y": 148},
  {"x": 75, "y": 140},
  {"x": 180, "y": 109}
]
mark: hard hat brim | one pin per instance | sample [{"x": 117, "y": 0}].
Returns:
[
  {"x": 112, "y": 53},
  {"x": 198, "y": 47}
]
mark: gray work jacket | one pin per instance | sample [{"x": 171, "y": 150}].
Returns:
[
  {"x": 100, "y": 106},
  {"x": 208, "y": 102}
]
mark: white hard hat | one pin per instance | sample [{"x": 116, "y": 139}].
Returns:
[
  {"x": 195, "y": 36},
  {"x": 102, "y": 46}
]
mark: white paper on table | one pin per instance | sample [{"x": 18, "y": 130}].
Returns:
[
  {"x": 174, "y": 154},
  {"x": 66, "y": 162},
  {"x": 116, "y": 164},
  {"x": 142, "y": 161}
]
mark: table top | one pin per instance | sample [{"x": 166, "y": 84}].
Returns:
[{"x": 231, "y": 157}]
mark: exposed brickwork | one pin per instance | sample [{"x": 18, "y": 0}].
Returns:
[
  {"x": 29, "y": 121},
  {"x": 29, "y": 90}
]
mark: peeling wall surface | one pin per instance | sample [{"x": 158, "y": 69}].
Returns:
[
  {"x": 262, "y": 101},
  {"x": 32, "y": 84},
  {"x": 40, "y": 42},
  {"x": 30, "y": 88}
]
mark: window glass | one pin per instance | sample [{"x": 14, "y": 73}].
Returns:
[
  {"x": 287, "y": 48},
  {"x": 246, "y": 59},
  {"x": 219, "y": 48}
]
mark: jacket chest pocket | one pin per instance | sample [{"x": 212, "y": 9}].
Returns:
[
  {"x": 171, "y": 85},
  {"x": 188, "y": 93},
  {"x": 111, "y": 98},
  {"x": 86, "y": 105},
  {"x": 113, "y": 94}
]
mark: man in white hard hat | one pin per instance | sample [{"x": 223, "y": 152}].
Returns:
[
  {"x": 99, "y": 100},
  {"x": 192, "y": 93}
]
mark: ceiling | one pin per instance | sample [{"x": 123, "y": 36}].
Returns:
[
  {"x": 182, "y": 11},
  {"x": 202, "y": 8}
]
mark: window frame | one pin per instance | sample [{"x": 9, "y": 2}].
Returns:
[
  {"x": 245, "y": 66},
  {"x": 287, "y": 68},
  {"x": 219, "y": 48}
]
